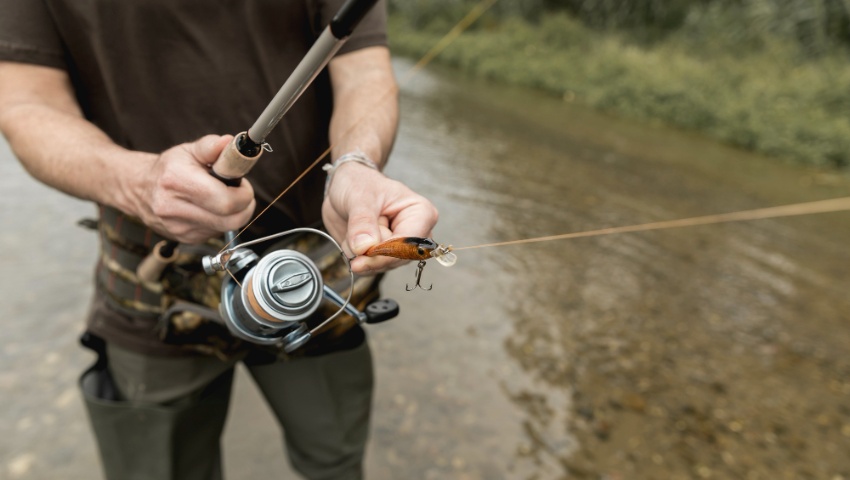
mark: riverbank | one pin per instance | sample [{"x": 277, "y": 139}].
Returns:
[{"x": 759, "y": 95}]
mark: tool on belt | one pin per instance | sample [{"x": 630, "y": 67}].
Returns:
[{"x": 266, "y": 300}]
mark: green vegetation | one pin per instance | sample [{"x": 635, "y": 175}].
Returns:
[{"x": 771, "y": 76}]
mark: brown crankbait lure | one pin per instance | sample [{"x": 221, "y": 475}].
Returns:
[{"x": 414, "y": 248}]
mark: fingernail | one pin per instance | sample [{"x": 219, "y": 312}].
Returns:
[
  {"x": 360, "y": 268},
  {"x": 362, "y": 242}
]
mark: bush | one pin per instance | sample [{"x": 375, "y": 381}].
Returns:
[{"x": 729, "y": 72}]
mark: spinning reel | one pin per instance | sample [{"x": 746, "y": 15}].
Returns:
[{"x": 267, "y": 300}]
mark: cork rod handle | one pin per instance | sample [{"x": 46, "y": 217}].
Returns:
[{"x": 236, "y": 160}]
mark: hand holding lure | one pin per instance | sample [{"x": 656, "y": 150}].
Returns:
[{"x": 414, "y": 248}]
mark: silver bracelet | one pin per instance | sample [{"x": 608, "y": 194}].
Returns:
[{"x": 355, "y": 156}]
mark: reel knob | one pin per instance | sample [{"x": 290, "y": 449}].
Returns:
[
  {"x": 275, "y": 296},
  {"x": 285, "y": 287}
]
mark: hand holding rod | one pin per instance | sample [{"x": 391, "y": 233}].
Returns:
[{"x": 240, "y": 155}]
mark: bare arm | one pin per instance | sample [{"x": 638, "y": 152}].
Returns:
[
  {"x": 170, "y": 192},
  {"x": 365, "y": 104},
  {"x": 43, "y": 123},
  {"x": 363, "y": 206}
]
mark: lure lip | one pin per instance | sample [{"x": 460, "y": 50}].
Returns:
[{"x": 444, "y": 255}]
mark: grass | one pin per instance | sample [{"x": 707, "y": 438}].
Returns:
[{"x": 758, "y": 94}]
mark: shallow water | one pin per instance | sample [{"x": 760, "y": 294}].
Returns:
[{"x": 706, "y": 352}]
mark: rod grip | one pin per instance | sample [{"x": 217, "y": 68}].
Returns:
[
  {"x": 349, "y": 15},
  {"x": 234, "y": 163}
]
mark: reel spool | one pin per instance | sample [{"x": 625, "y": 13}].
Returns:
[{"x": 269, "y": 304}]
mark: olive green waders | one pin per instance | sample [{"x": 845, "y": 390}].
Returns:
[{"x": 161, "y": 418}]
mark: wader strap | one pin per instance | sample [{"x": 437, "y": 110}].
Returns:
[
  {"x": 180, "y": 307},
  {"x": 129, "y": 228},
  {"x": 124, "y": 243}
]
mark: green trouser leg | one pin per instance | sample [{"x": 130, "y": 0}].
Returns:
[
  {"x": 165, "y": 428},
  {"x": 323, "y": 404},
  {"x": 169, "y": 421}
]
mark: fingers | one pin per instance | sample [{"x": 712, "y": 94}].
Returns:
[
  {"x": 363, "y": 229},
  {"x": 380, "y": 210},
  {"x": 364, "y": 208},
  {"x": 188, "y": 204},
  {"x": 188, "y": 223},
  {"x": 371, "y": 265},
  {"x": 207, "y": 191},
  {"x": 363, "y": 265},
  {"x": 208, "y": 148},
  {"x": 416, "y": 220}
]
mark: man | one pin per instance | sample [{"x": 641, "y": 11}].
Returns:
[{"x": 121, "y": 103}]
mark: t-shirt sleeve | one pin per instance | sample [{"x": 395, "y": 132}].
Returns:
[
  {"x": 28, "y": 34},
  {"x": 370, "y": 32}
]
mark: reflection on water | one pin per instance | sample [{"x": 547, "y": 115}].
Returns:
[{"x": 712, "y": 351}]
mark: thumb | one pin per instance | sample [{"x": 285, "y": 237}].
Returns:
[
  {"x": 363, "y": 230},
  {"x": 207, "y": 148}
]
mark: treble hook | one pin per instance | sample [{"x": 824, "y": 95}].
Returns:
[{"x": 419, "y": 267}]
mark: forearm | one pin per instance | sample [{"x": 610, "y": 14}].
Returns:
[
  {"x": 363, "y": 206},
  {"x": 171, "y": 192},
  {"x": 365, "y": 104},
  {"x": 58, "y": 146},
  {"x": 71, "y": 155}
]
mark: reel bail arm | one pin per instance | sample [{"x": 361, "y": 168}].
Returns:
[{"x": 267, "y": 300}]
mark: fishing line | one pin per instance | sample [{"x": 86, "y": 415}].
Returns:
[
  {"x": 232, "y": 276},
  {"x": 807, "y": 208},
  {"x": 464, "y": 23}
]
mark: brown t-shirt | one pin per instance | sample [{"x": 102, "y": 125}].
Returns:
[{"x": 156, "y": 73}]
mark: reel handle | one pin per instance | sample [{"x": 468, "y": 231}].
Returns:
[
  {"x": 381, "y": 310},
  {"x": 376, "y": 312}
]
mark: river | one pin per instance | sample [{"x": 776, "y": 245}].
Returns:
[{"x": 716, "y": 351}]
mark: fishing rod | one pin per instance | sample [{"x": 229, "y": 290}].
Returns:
[
  {"x": 267, "y": 300},
  {"x": 242, "y": 153}
]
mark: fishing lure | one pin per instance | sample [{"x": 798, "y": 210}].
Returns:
[{"x": 414, "y": 248}]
